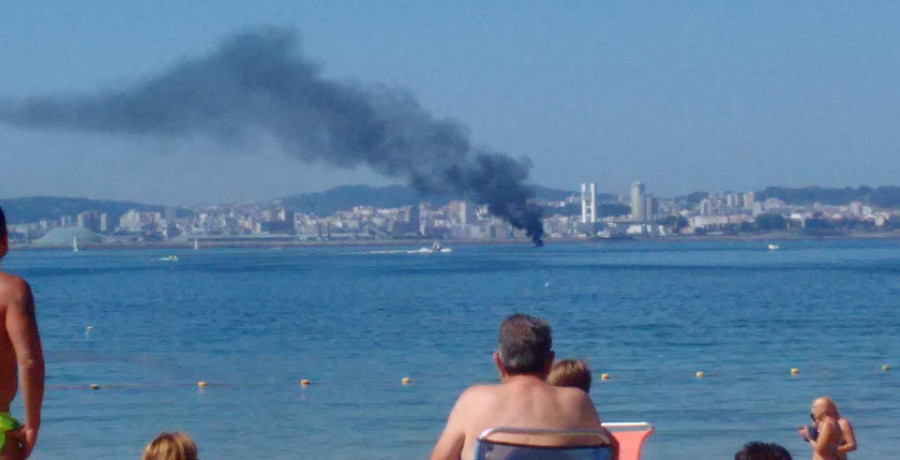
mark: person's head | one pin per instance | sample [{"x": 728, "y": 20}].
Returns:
[
  {"x": 525, "y": 346},
  {"x": 757, "y": 450},
  {"x": 830, "y": 407},
  {"x": 570, "y": 373},
  {"x": 4, "y": 234},
  {"x": 171, "y": 446},
  {"x": 822, "y": 406}
]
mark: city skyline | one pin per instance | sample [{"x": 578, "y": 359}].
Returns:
[{"x": 726, "y": 97}]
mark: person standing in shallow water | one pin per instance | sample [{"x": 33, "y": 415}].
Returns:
[
  {"x": 847, "y": 437},
  {"x": 20, "y": 352},
  {"x": 825, "y": 444}
]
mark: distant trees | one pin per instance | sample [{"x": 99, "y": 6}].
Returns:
[
  {"x": 676, "y": 222},
  {"x": 769, "y": 222},
  {"x": 692, "y": 199},
  {"x": 603, "y": 210},
  {"x": 884, "y": 197}
]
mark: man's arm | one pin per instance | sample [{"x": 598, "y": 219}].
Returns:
[
  {"x": 21, "y": 326},
  {"x": 592, "y": 421},
  {"x": 450, "y": 445}
]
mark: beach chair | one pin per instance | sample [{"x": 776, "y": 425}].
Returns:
[
  {"x": 531, "y": 444},
  {"x": 631, "y": 437}
]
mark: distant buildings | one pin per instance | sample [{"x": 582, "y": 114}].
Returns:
[
  {"x": 643, "y": 205},
  {"x": 578, "y": 215},
  {"x": 588, "y": 203}
]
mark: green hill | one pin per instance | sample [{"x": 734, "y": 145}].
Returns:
[
  {"x": 884, "y": 197},
  {"x": 346, "y": 197},
  {"x": 37, "y": 208}
]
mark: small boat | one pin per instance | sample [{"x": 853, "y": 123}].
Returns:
[
  {"x": 774, "y": 247},
  {"x": 196, "y": 244},
  {"x": 434, "y": 249},
  {"x": 169, "y": 259},
  {"x": 75, "y": 244}
]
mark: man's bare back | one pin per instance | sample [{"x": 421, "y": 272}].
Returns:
[
  {"x": 21, "y": 361},
  {"x": 522, "y": 401}
]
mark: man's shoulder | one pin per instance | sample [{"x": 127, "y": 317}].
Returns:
[
  {"x": 571, "y": 394},
  {"x": 480, "y": 391}
]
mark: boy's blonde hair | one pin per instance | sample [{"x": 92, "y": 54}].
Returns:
[
  {"x": 570, "y": 373},
  {"x": 171, "y": 446}
]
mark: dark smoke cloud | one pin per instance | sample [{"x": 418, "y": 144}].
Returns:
[{"x": 259, "y": 82}]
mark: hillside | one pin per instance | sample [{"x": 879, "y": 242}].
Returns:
[
  {"x": 885, "y": 197},
  {"x": 37, "y": 208},
  {"x": 393, "y": 196}
]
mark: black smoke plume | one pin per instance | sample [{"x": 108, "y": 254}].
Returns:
[{"x": 258, "y": 82}]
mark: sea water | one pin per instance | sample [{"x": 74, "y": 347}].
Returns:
[{"x": 354, "y": 321}]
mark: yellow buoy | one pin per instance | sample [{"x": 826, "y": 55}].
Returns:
[
  {"x": 94, "y": 386},
  {"x": 304, "y": 382},
  {"x": 405, "y": 380},
  {"x": 795, "y": 371},
  {"x": 604, "y": 376},
  {"x": 699, "y": 374},
  {"x": 885, "y": 368},
  {"x": 201, "y": 383}
]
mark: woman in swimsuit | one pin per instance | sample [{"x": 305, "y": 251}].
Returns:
[
  {"x": 825, "y": 445},
  {"x": 847, "y": 439}
]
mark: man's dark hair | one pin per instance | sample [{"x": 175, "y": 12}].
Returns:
[
  {"x": 525, "y": 345},
  {"x": 758, "y": 450},
  {"x": 2, "y": 223}
]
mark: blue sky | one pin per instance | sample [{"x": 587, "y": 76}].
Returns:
[{"x": 683, "y": 96}]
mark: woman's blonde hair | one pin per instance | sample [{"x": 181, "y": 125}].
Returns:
[
  {"x": 570, "y": 373},
  {"x": 171, "y": 446}
]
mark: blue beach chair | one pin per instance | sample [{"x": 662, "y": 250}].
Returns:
[{"x": 532, "y": 444}]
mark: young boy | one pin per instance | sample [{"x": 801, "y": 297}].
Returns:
[
  {"x": 570, "y": 373},
  {"x": 21, "y": 361}
]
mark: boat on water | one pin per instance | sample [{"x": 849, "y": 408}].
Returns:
[
  {"x": 172, "y": 258},
  {"x": 774, "y": 247},
  {"x": 196, "y": 244},
  {"x": 434, "y": 249},
  {"x": 75, "y": 244}
]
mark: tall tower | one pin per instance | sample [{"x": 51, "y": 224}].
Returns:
[
  {"x": 638, "y": 204},
  {"x": 588, "y": 204}
]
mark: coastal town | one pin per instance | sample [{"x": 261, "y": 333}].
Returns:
[{"x": 584, "y": 215}]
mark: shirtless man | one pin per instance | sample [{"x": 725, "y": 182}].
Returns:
[
  {"x": 20, "y": 348},
  {"x": 523, "y": 399}
]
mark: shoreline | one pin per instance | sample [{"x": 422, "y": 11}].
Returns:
[{"x": 288, "y": 242}]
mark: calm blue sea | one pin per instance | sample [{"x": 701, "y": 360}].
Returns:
[{"x": 354, "y": 321}]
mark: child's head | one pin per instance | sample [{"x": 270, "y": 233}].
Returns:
[
  {"x": 570, "y": 373},
  {"x": 171, "y": 446}
]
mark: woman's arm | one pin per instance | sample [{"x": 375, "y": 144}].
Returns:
[
  {"x": 828, "y": 436},
  {"x": 846, "y": 433}
]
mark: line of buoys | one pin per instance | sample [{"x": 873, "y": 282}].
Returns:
[{"x": 605, "y": 376}]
